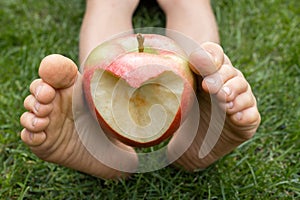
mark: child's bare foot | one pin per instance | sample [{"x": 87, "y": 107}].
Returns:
[
  {"x": 226, "y": 86},
  {"x": 49, "y": 128}
]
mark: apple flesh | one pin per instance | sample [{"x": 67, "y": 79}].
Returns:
[{"x": 139, "y": 87}]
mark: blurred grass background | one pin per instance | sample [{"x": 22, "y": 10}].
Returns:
[{"x": 261, "y": 37}]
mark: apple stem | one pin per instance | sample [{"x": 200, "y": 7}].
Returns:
[{"x": 140, "y": 39}]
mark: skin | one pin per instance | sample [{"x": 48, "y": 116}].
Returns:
[{"x": 49, "y": 128}]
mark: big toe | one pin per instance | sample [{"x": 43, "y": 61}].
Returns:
[
  {"x": 58, "y": 71},
  {"x": 207, "y": 59}
]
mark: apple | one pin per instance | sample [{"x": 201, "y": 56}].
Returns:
[{"x": 139, "y": 88}]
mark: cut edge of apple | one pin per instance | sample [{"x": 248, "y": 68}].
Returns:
[{"x": 153, "y": 109}]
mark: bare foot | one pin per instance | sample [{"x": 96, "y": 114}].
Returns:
[
  {"x": 226, "y": 86},
  {"x": 49, "y": 128}
]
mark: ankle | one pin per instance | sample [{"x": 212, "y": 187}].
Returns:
[
  {"x": 172, "y": 6},
  {"x": 115, "y": 6}
]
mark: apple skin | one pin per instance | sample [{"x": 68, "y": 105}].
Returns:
[{"x": 123, "y": 51}]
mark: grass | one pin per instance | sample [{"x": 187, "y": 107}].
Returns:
[{"x": 262, "y": 39}]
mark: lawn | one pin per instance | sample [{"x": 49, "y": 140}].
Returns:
[{"x": 261, "y": 37}]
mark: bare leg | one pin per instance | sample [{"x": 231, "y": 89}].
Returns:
[
  {"x": 49, "y": 128},
  {"x": 194, "y": 18},
  {"x": 102, "y": 20},
  {"x": 233, "y": 93}
]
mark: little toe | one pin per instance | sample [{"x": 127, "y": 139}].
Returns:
[
  {"x": 248, "y": 118},
  {"x": 33, "y": 123},
  {"x": 40, "y": 110},
  {"x": 32, "y": 139}
]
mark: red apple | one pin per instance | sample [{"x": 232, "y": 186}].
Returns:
[{"x": 139, "y": 87}]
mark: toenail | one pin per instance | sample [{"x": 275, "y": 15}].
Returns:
[
  {"x": 31, "y": 136},
  {"x": 229, "y": 105},
  {"x": 238, "y": 116},
  {"x": 36, "y": 107},
  {"x": 38, "y": 90},
  {"x": 212, "y": 57},
  {"x": 34, "y": 121},
  {"x": 210, "y": 80},
  {"x": 227, "y": 90}
]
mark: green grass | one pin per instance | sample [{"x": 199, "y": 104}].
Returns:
[{"x": 261, "y": 37}]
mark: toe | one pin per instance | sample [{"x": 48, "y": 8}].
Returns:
[
  {"x": 241, "y": 102},
  {"x": 215, "y": 51},
  {"x": 213, "y": 82},
  {"x": 42, "y": 91},
  {"x": 232, "y": 88},
  {"x": 58, "y": 71},
  {"x": 33, "y": 123},
  {"x": 249, "y": 119},
  {"x": 207, "y": 60},
  {"x": 32, "y": 139},
  {"x": 33, "y": 105}
]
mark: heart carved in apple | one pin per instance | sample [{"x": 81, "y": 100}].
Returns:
[{"x": 139, "y": 88}]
